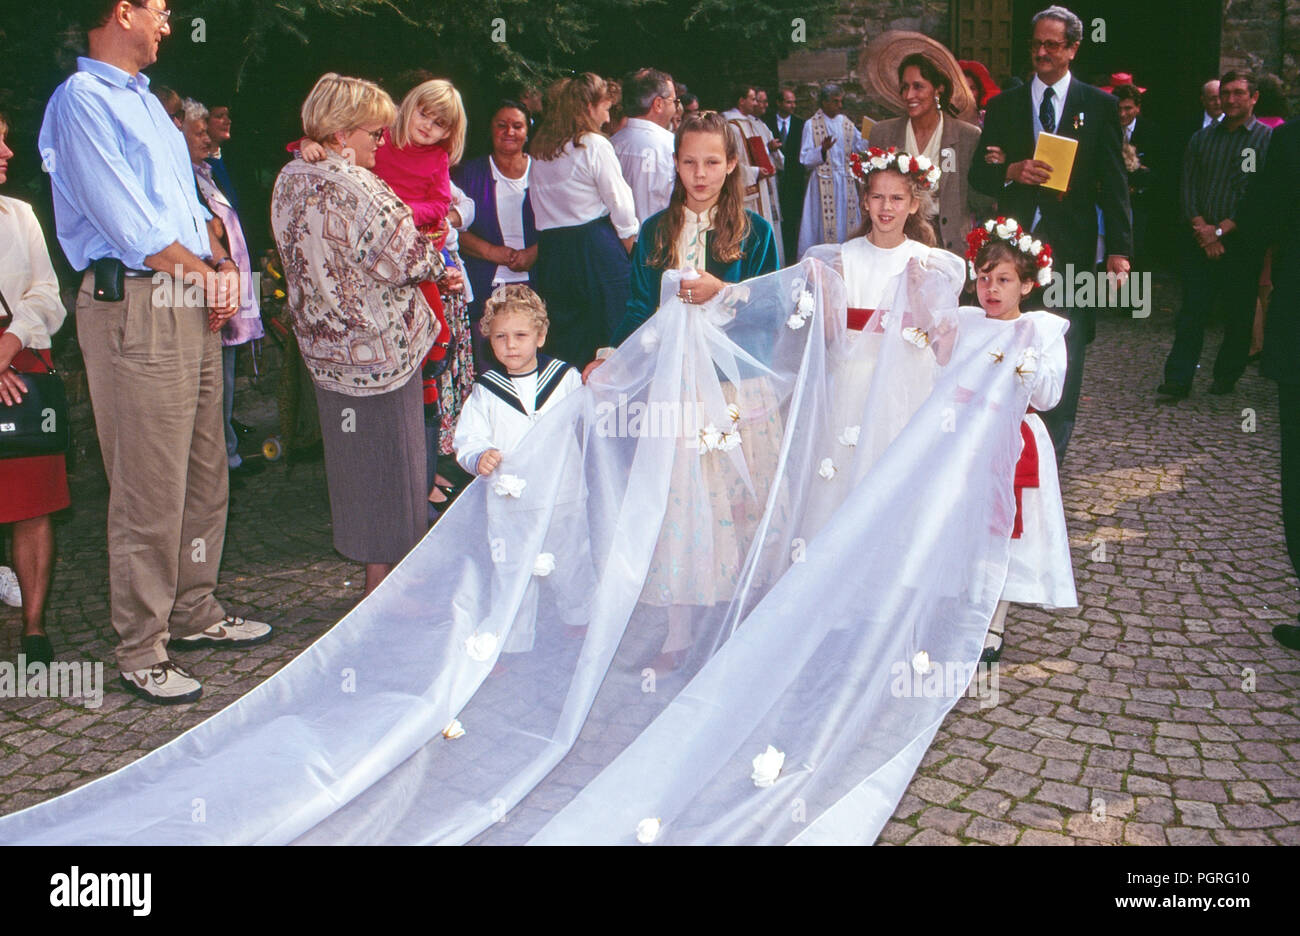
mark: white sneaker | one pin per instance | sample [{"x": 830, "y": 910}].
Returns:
[
  {"x": 230, "y": 632},
  {"x": 10, "y": 593},
  {"x": 165, "y": 683}
]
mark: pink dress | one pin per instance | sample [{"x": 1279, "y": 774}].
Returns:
[{"x": 421, "y": 177}]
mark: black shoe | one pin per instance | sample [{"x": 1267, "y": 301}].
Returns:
[
  {"x": 242, "y": 429},
  {"x": 992, "y": 654},
  {"x": 1288, "y": 635},
  {"x": 37, "y": 648},
  {"x": 1223, "y": 387},
  {"x": 1176, "y": 391}
]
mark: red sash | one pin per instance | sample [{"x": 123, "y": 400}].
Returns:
[
  {"x": 1026, "y": 474},
  {"x": 858, "y": 318}
]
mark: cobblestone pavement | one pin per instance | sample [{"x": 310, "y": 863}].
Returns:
[{"x": 1160, "y": 712}]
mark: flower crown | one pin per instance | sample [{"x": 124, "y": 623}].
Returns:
[
  {"x": 1008, "y": 230},
  {"x": 918, "y": 168}
]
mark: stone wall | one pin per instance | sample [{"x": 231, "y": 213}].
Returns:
[
  {"x": 1264, "y": 36},
  {"x": 834, "y": 55}
]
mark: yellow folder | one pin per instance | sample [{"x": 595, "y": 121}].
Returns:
[
  {"x": 867, "y": 124},
  {"x": 1058, "y": 152}
]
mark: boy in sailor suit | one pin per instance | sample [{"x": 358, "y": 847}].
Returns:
[{"x": 506, "y": 401}]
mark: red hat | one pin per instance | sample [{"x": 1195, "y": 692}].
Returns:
[
  {"x": 1119, "y": 79},
  {"x": 988, "y": 87}
]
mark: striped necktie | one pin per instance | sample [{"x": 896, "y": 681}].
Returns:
[{"x": 1046, "y": 113}]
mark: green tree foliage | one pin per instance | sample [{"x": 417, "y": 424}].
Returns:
[{"x": 261, "y": 57}]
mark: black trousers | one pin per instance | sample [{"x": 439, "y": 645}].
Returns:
[
  {"x": 1288, "y": 407},
  {"x": 1229, "y": 284}
]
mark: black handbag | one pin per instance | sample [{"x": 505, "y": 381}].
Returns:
[{"x": 39, "y": 425}]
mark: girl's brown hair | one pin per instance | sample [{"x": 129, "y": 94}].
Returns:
[
  {"x": 568, "y": 114},
  {"x": 995, "y": 250},
  {"x": 731, "y": 223},
  {"x": 917, "y": 227}
]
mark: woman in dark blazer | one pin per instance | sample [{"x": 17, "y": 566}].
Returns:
[
  {"x": 498, "y": 248},
  {"x": 927, "y": 96}
]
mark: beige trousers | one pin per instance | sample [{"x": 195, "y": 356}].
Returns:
[{"x": 154, "y": 372}]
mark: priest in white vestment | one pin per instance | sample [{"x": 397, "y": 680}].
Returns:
[{"x": 831, "y": 211}]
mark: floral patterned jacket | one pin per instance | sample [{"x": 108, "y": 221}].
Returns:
[{"x": 352, "y": 260}]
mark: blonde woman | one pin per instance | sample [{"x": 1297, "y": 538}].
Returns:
[{"x": 353, "y": 261}]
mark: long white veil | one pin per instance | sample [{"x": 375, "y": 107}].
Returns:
[{"x": 635, "y": 606}]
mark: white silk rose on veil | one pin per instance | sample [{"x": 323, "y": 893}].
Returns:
[{"x": 659, "y": 549}]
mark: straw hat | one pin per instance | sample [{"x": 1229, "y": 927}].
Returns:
[{"x": 879, "y": 61}]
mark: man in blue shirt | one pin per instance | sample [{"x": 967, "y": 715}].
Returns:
[{"x": 124, "y": 193}]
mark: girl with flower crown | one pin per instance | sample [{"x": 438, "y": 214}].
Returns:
[
  {"x": 1006, "y": 265},
  {"x": 896, "y": 231}
]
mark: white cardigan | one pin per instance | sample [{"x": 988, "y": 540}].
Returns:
[{"x": 27, "y": 276}]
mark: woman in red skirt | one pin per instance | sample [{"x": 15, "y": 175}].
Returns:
[{"x": 30, "y": 488}]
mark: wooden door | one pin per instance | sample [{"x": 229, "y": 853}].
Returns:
[{"x": 982, "y": 31}]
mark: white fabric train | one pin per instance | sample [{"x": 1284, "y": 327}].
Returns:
[{"x": 699, "y": 448}]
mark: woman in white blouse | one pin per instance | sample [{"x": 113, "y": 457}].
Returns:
[
  {"x": 32, "y": 488},
  {"x": 586, "y": 220}
]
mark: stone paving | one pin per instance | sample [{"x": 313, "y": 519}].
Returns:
[{"x": 1160, "y": 712}]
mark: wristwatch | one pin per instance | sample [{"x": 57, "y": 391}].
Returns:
[
  {"x": 1218, "y": 232},
  {"x": 217, "y": 265}
]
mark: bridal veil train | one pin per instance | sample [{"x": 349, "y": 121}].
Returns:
[{"x": 820, "y": 646}]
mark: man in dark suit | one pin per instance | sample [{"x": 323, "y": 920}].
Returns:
[
  {"x": 1269, "y": 216},
  {"x": 790, "y": 181},
  {"x": 1056, "y": 102},
  {"x": 1142, "y": 181}
]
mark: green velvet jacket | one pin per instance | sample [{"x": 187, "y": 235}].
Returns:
[{"x": 757, "y": 256}]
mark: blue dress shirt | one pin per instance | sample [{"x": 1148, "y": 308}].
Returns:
[{"x": 120, "y": 170}]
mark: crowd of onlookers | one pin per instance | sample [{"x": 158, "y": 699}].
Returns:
[{"x": 391, "y": 244}]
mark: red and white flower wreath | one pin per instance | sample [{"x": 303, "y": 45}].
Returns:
[
  {"x": 1009, "y": 230},
  {"x": 919, "y": 168}
]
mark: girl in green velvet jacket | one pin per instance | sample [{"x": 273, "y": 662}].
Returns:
[
  {"x": 704, "y": 227},
  {"x": 702, "y": 546}
]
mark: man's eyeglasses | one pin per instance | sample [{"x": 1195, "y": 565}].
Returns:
[
  {"x": 164, "y": 16},
  {"x": 1051, "y": 45}
]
